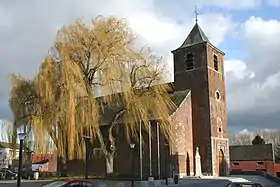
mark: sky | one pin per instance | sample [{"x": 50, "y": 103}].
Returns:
[{"x": 247, "y": 31}]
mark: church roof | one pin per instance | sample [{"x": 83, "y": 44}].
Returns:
[
  {"x": 196, "y": 36},
  {"x": 177, "y": 98},
  {"x": 251, "y": 152}
]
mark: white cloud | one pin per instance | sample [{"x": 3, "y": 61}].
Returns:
[
  {"x": 26, "y": 39},
  {"x": 162, "y": 25},
  {"x": 239, "y": 70},
  {"x": 256, "y": 98}
]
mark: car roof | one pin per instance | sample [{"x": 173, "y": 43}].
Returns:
[{"x": 74, "y": 180}]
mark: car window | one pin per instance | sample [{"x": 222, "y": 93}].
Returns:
[
  {"x": 74, "y": 184},
  {"x": 87, "y": 184},
  {"x": 55, "y": 184}
]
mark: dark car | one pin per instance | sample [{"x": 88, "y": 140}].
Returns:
[
  {"x": 70, "y": 183},
  {"x": 243, "y": 184},
  {"x": 8, "y": 174}
]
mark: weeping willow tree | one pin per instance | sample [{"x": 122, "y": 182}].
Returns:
[{"x": 93, "y": 73}]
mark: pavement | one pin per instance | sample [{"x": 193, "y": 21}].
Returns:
[{"x": 204, "y": 182}]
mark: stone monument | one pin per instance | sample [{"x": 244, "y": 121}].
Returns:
[{"x": 198, "y": 172}]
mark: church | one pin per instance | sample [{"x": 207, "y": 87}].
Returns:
[
  {"x": 198, "y": 122},
  {"x": 199, "y": 69}
]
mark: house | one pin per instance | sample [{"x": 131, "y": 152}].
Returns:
[
  {"x": 253, "y": 158},
  {"x": 198, "y": 121},
  {"x": 40, "y": 166},
  {"x": 44, "y": 162},
  {"x": 9, "y": 154}
]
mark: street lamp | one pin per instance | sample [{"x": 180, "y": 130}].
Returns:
[
  {"x": 86, "y": 138},
  {"x": 132, "y": 146},
  {"x": 21, "y": 138}
]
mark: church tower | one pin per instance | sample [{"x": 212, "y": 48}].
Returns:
[{"x": 199, "y": 67}]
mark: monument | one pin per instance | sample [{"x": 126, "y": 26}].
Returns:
[{"x": 198, "y": 172}]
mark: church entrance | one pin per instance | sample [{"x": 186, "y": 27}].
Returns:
[
  {"x": 221, "y": 162},
  {"x": 188, "y": 167}
]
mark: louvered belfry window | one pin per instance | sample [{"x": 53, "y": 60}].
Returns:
[{"x": 189, "y": 61}]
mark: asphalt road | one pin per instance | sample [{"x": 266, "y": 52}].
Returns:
[
  {"x": 217, "y": 182},
  {"x": 23, "y": 184}
]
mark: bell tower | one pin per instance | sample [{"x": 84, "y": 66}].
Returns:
[{"x": 199, "y": 67}]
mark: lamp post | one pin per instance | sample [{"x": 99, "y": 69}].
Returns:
[
  {"x": 21, "y": 138},
  {"x": 132, "y": 146},
  {"x": 167, "y": 163},
  {"x": 86, "y": 138}
]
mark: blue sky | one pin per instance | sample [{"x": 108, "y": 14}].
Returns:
[{"x": 247, "y": 31}]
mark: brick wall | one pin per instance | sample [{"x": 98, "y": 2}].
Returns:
[
  {"x": 208, "y": 114},
  {"x": 253, "y": 166},
  {"x": 183, "y": 137},
  {"x": 126, "y": 158}
]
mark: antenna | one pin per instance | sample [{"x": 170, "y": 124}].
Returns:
[{"x": 196, "y": 13}]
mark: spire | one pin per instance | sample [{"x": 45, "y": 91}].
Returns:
[{"x": 196, "y": 36}]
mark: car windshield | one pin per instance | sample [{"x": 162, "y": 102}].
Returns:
[{"x": 55, "y": 184}]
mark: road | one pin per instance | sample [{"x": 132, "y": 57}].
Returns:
[{"x": 214, "y": 182}]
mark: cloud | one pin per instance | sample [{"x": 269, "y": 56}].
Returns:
[
  {"x": 27, "y": 32},
  {"x": 254, "y": 99}
]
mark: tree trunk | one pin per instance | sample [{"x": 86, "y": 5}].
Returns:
[
  {"x": 109, "y": 163},
  {"x": 63, "y": 171}
]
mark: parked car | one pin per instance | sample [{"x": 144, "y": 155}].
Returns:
[
  {"x": 70, "y": 182},
  {"x": 8, "y": 174},
  {"x": 244, "y": 184}
]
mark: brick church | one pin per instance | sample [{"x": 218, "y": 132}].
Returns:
[
  {"x": 199, "y": 70},
  {"x": 198, "y": 121}
]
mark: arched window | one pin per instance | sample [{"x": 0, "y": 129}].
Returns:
[
  {"x": 189, "y": 61},
  {"x": 216, "y": 63}
]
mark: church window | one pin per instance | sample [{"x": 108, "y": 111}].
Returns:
[
  {"x": 217, "y": 95},
  {"x": 189, "y": 61},
  {"x": 216, "y": 63},
  {"x": 220, "y": 129}
]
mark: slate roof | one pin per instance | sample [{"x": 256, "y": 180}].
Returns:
[
  {"x": 177, "y": 98},
  {"x": 197, "y": 36},
  {"x": 251, "y": 152}
]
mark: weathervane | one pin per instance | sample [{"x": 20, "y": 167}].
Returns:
[{"x": 196, "y": 13}]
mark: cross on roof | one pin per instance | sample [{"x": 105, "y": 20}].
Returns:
[{"x": 196, "y": 13}]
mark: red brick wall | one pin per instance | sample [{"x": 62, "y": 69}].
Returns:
[
  {"x": 203, "y": 82},
  {"x": 183, "y": 137},
  {"x": 277, "y": 168},
  {"x": 52, "y": 165},
  {"x": 253, "y": 166},
  {"x": 197, "y": 81}
]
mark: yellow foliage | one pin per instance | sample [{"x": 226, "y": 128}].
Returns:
[{"x": 61, "y": 98}]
